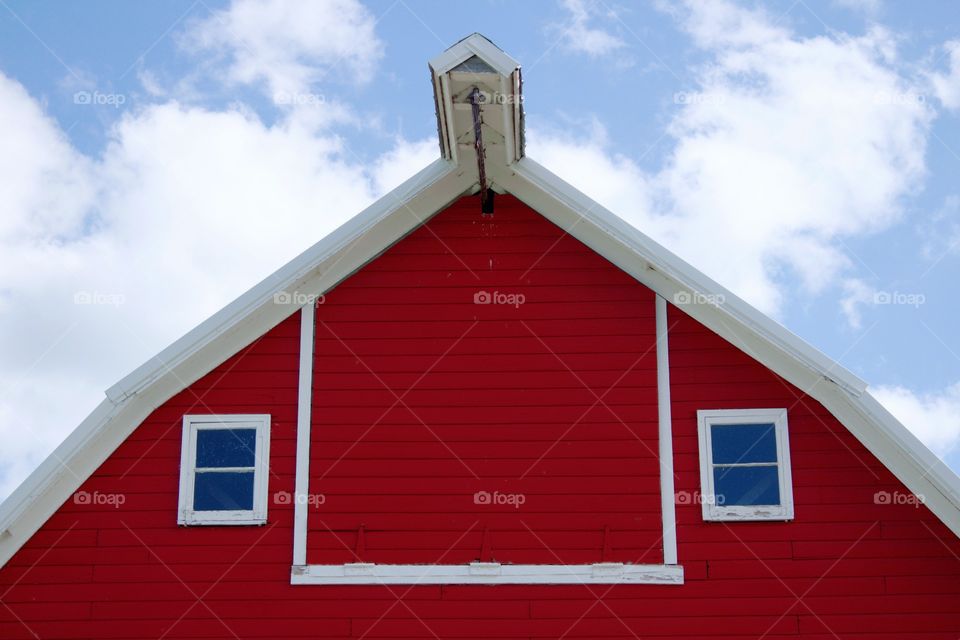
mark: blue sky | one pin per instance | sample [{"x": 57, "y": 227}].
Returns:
[{"x": 160, "y": 158}]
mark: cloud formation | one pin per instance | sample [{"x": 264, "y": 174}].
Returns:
[
  {"x": 579, "y": 33},
  {"x": 934, "y": 417},
  {"x": 288, "y": 46},
  {"x": 785, "y": 146}
]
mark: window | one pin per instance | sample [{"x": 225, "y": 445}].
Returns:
[
  {"x": 223, "y": 469},
  {"x": 745, "y": 465}
]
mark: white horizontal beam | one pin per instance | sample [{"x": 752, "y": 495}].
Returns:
[{"x": 487, "y": 573}]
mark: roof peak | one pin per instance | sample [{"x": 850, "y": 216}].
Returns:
[{"x": 475, "y": 44}]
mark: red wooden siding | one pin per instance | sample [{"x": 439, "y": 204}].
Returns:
[
  {"x": 498, "y": 399},
  {"x": 422, "y": 398}
]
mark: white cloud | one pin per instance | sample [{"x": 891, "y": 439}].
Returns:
[
  {"x": 946, "y": 86},
  {"x": 288, "y": 46},
  {"x": 717, "y": 23},
  {"x": 46, "y": 188},
  {"x": 580, "y": 36},
  {"x": 184, "y": 210},
  {"x": 394, "y": 166},
  {"x": 856, "y": 294},
  {"x": 933, "y": 417},
  {"x": 614, "y": 180},
  {"x": 785, "y": 146},
  {"x": 41, "y": 149}
]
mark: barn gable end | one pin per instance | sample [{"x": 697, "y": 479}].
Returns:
[{"x": 459, "y": 399}]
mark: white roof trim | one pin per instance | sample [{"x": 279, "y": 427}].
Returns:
[
  {"x": 839, "y": 390},
  {"x": 438, "y": 176},
  {"x": 534, "y": 178},
  {"x": 368, "y": 234},
  {"x": 474, "y": 45}
]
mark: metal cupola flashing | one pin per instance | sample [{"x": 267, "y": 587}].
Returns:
[{"x": 478, "y": 95}]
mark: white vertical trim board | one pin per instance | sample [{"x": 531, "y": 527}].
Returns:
[
  {"x": 304, "y": 400},
  {"x": 665, "y": 437}
]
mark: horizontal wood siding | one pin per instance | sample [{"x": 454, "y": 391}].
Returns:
[
  {"x": 546, "y": 396},
  {"x": 845, "y": 568}
]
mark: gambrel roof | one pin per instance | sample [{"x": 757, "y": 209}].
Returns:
[{"x": 474, "y": 61}]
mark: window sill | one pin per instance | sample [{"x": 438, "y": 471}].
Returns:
[
  {"x": 242, "y": 518},
  {"x": 487, "y": 573},
  {"x": 747, "y": 514}
]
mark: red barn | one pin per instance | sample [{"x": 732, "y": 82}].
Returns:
[{"x": 485, "y": 407}]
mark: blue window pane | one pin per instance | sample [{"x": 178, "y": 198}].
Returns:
[
  {"x": 743, "y": 443},
  {"x": 746, "y": 486},
  {"x": 226, "y": 448},
  {"x": 225, "y": 491}
]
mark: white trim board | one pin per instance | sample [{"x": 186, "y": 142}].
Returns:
[
  {"x": 488, "y": 573},
  {"x": 475, "y": 44},
  {"x": 668, "y": 500},
  {"x": 651, "y": 264},
  {"x": 304, "y": 410},
  {"x": 315, "y": 271}
]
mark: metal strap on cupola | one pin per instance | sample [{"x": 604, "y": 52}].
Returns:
[{"x": 486, "y": 195}]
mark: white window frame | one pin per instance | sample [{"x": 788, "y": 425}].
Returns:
[
  {"x": 706, "y": 419},
  {"x": 188, "y": 459}
]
